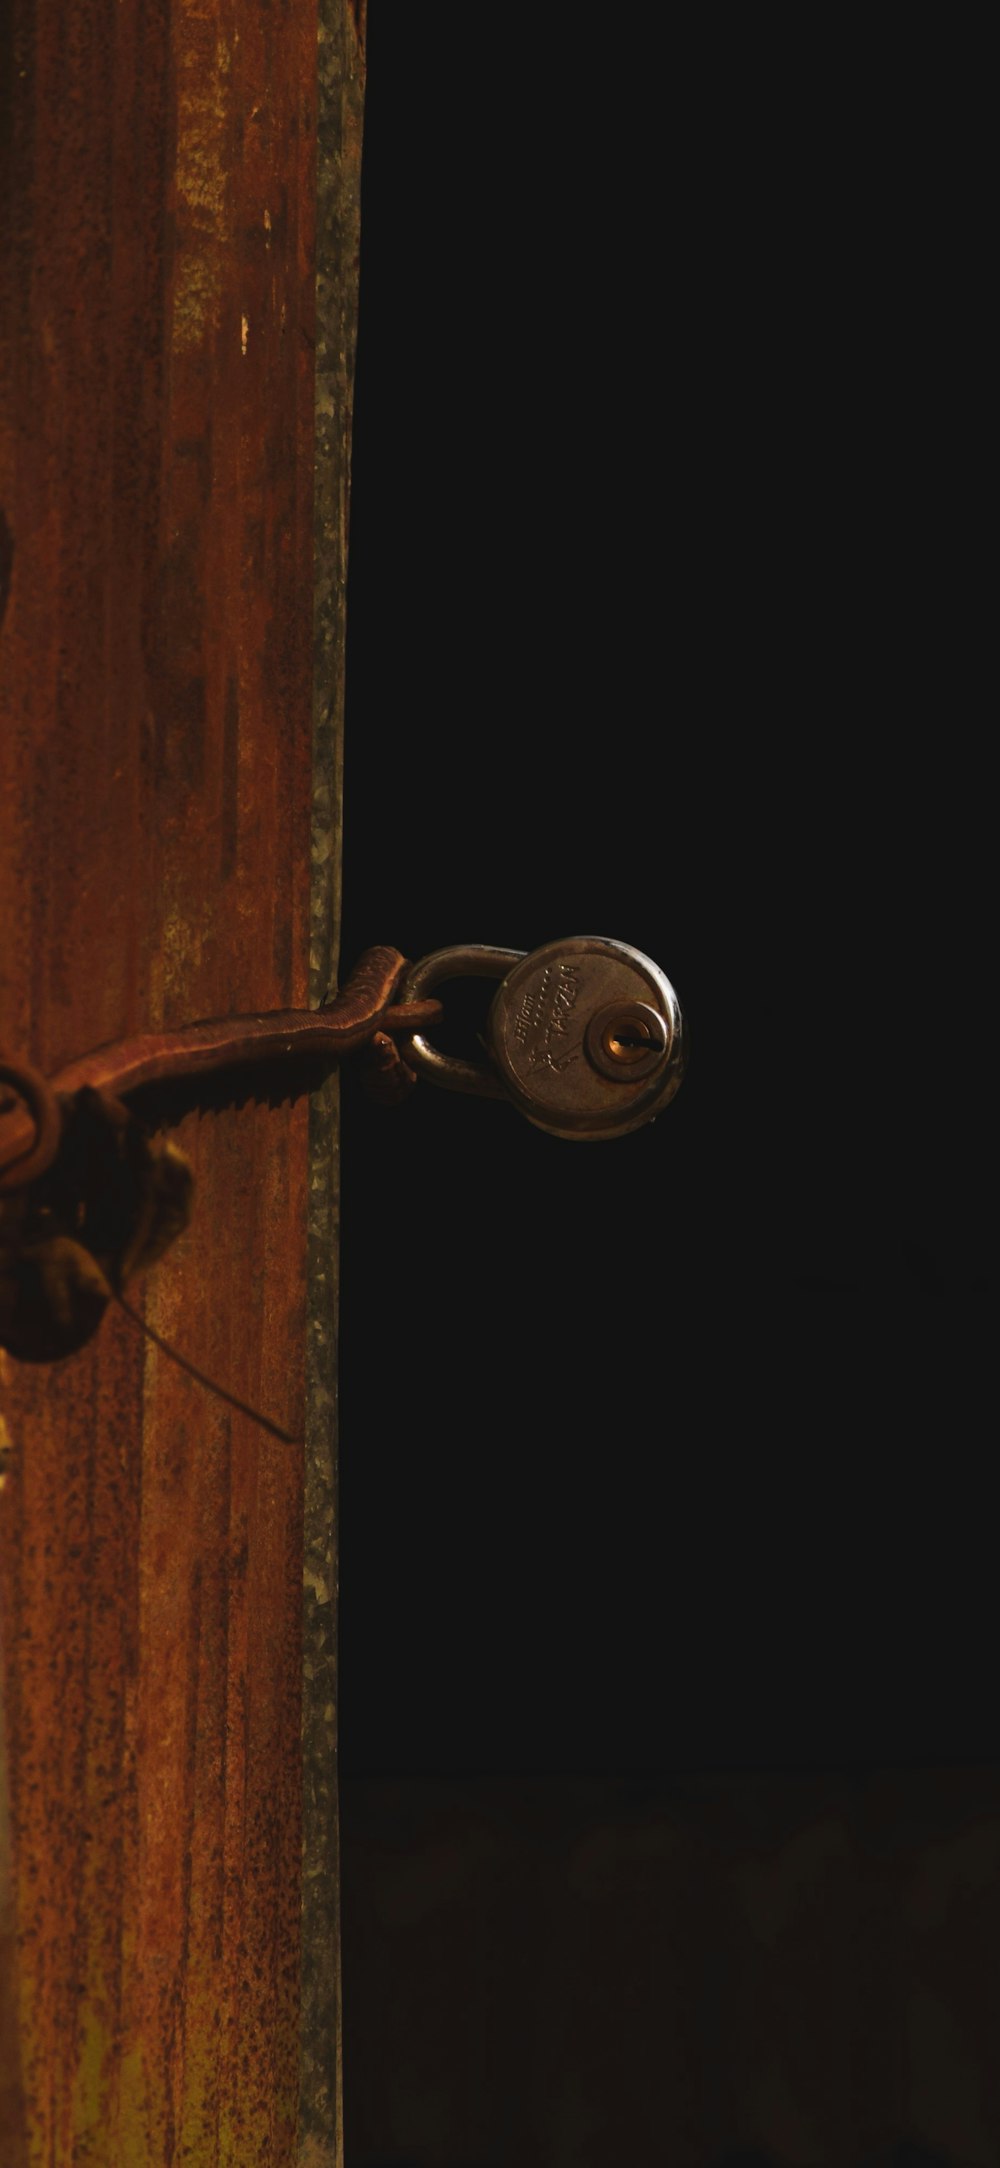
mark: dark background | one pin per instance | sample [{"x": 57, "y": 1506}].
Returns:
[
  {"x": 656, "y": 629},
  {"x": 671, "y": 1454}
]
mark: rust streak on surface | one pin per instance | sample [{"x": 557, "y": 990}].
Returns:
[{"x": 156, "y": 441}]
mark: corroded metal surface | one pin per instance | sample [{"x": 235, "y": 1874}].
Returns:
[
  {"x": 13, "y": 2128},
  {"x": 156, "y": 446}
]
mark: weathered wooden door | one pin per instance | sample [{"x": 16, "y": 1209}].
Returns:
[{"x": 174, "y": 431}]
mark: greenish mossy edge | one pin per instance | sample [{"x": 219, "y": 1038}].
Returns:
[{"x": 338, "y": 208}]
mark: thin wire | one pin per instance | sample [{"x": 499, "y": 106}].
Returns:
[{"x": 287, "y": 1436}]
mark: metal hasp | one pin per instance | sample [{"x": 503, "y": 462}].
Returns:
[{"x": 585, "y": 1036}]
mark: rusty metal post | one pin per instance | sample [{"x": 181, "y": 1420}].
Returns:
[{"x": 158, "y": 388}]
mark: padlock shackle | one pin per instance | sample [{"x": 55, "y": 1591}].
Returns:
[{"x": 448, "y": 1070}]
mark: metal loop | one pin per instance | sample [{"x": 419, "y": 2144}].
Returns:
[
  {"x": 418, "y": 1053},
  {"x": 21, "y": 1163}
]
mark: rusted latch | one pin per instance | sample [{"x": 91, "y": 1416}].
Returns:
[
  {"x": 91, "y": 1196},
  {"x": 585, "y": 1037}
]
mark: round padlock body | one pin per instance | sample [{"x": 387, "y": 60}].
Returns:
[{"x": 588, "y": 1037}]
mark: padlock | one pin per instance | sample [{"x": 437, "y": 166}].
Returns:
[{"x": 585, "y": 1036}]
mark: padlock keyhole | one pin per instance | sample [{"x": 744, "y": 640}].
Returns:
[
  {"x": 626, "y": 1041},
  {"x": 627, "y": 1044}
]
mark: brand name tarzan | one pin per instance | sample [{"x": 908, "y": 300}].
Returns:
[{"x": 543, "y": 1018}]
